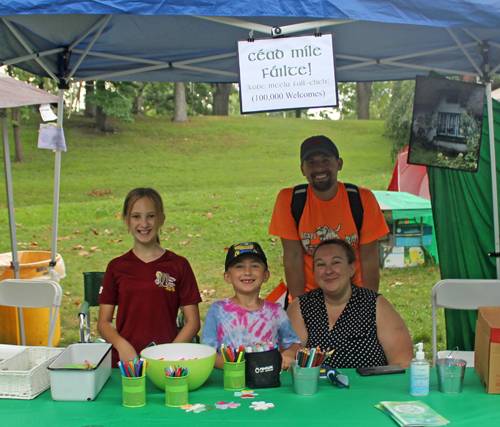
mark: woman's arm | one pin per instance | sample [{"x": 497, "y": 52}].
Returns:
[
  {"x": 393, "y": 334},
  {"x": 297, "y": 321},
  {"x": 192, "y": 325},
  {"x": 107, "y": 330}
]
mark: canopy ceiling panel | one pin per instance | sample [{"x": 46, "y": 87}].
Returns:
[{"x": 195, "y": 40}]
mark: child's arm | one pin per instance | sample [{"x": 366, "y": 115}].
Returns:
[
  {"x": 192, "y": 324},
  {"x": 107, "y": 330},
  {"x": 209, "y": 336},
  {"x": 219, "y": 361},
  {"x": 289, "y": 355}
]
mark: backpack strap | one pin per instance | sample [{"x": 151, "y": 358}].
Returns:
[
  {"x": 300, "y": 196},
  {"x": 357, "y": 210},
  {"x": 299, "y": 202}
]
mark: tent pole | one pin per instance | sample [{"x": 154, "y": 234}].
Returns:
[
  {"x": 12, "y": 219},
  {"x": 10, "y": 193},
  {"x": 57, "y": 180},
  {"x": 494, "y": 185}
]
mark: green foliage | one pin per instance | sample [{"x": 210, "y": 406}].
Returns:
[
  {"x": 471, "y": 129},
  {"x": 158, "y": 98},
  {"x": 379, "y": 101},
  {"x": 199, "y": 99},
  {"x": 347, "y": 98},
  {"x": 115, "y": 98},
  {"x": 399, "y": 115}
]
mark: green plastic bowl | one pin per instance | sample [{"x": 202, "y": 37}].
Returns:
[{"x": 198, "y": 358}]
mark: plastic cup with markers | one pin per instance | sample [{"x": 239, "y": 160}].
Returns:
[
  {"x": 176, "y": 386},
  {"x": 133, "y": 383},
  {"x": 234, "y": 367}
]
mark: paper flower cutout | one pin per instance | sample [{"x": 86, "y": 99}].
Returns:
[
  {"x": 197, "y": 408},
  {"x": 261, "y": 406},
  {"x": 246, "y": 394},
  {"x": 224, "y": 405}
]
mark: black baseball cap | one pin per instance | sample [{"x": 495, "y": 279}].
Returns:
[
  {"x": 320, "y": 144},
  {"x": 249, "y": 248}
]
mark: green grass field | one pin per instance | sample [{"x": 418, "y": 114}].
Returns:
[{"x": 218, "y": 176}]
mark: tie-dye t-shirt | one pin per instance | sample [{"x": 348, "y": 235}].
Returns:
[{"x": 229, "y": 324}]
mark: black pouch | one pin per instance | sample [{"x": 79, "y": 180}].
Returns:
[{"x": 262, "y": 369}]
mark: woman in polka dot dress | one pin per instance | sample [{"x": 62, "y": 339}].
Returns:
[{"x": 361, "y": 325}]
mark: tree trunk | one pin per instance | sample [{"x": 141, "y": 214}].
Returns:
[
  {"x": 16, "y": 125},
  {"x": 221, "y": 98},
  {"x": 101, "y": 118},
  {"x": 102, "y": 121},
  {"x": 180, "y": 109},
  {"x": 363, "y": 94},
  {"x": 90, "y": 109},
  {"x": 77, "y": 97},
  {"x": 140, "y": 98}
]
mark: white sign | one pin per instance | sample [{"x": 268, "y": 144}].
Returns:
[
  {"x": 51, "y": 137},
  {"x": 47, "y": 113},
  {"x": 287, "y": 73}
]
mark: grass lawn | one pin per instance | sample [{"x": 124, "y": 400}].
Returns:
[{"x": 218, "y": 176}]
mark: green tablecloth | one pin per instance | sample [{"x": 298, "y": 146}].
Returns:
[
  {"x": 403, "y": 205},
  {"x": 331, "y": 406}
]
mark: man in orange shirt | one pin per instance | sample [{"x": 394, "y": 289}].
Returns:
[{"x": 326, "y": 215}]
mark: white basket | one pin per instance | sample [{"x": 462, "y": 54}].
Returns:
[{"x": 25, "y": 375}]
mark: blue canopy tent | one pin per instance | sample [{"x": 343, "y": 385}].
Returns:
[{"x": 195, "y": 41}]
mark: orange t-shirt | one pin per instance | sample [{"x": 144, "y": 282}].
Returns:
[{"x": 327, "y": 220}]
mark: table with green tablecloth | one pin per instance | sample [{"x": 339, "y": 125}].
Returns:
[
  {"x": 400, "y": 208},
  {"x": 331, "y": 406}
]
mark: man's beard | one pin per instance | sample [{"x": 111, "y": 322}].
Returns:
[{"x": 322, "y": 186}]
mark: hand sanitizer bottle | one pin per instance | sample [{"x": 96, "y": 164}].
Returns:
[{"x": 419, "y": 373}]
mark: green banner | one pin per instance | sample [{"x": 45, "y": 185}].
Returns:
[{"x": 462, "y": 205}]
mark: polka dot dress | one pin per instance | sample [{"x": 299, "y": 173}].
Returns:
[{"x": 354, "y": 335}]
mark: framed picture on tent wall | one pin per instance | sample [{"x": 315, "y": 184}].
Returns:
[{"x": 447, "y": 124}]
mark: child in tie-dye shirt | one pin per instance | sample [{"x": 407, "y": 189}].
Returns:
[{"x": 245, "y": 318}]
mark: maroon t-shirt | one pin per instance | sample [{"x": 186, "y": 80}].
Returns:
[{"x": 148, "y": 296}]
